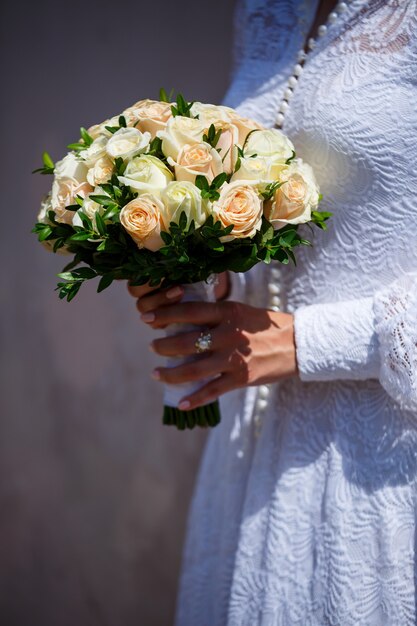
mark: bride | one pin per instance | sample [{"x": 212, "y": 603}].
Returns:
[{"x": 305, "y": 505}]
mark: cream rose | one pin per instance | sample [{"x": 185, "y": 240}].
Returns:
[
  {"x": 180, "y": 131},
  {"x": 226, "y": 144},
  {"x": 244, "y": 125},
  {"x": 296, "y": 198},
  {"x": 181, "y": 196},
  {"x": 143, "y": 220},
  {"x": 64, "y": 191},
  {"x": 146, "y": 174},
  {"x": 150, "y": 115},
  {"x": 269, "y": 143},
  {"x": 198, "y": 159},
  {"x": 126, "y": 142},
  {"x": 239, "y": 204},
  {"x": 101, "y": 171}
]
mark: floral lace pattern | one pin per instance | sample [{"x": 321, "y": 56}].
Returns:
[{"x": 314, "y": 521}]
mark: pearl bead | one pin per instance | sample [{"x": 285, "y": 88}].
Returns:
[
  {"x": 288, "y": 94},
  {"x": 341, "y": 7},
  {"x": 273, "y": 289},
  {"x": 263, "y": 391},
  {"x": 275, "y": 301},
  {"x": 292, "y": 81},
  {"x": 332, "y": 17},
  {"x": 283, "y": 107},
  {"x": 301, "y": 56},
  {"x": 279, "y": 119},
  {"x": 311, "y": 43},
  {"x": 261, "y": 404},
  {"x": 322, "y": 30},
  {"x": 298, "y": 70}
]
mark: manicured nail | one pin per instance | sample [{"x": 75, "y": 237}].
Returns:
[
  {"x": 147, "y": 317},
  {"x": 151, "y": 348},
  {"x": 184, "y": 405},
  {"x": 174, "y": 292},
  {"x": 156, "y": 375}
]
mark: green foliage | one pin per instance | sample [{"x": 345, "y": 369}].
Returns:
[
  {"x": 182, "y": 107},
  {"x": 114, "y": 129},
  {"x": 291, "y": 158},
  {"x": 48, "y": 165},
  {"x": 164, "y": 97},
  {"x": 319, "y": 218},
  {"x": 85, "y": 141},
  {"x": 212, "y": 136},
  {"x": 270, "y": 189},
  {"x": 210, "y": 191}
]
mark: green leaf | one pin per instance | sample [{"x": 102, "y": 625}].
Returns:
[
  {"x": 45, "y": 233},
  {"x": 101, "y": 226},
  {"x": 87, "y": 139},
  {"x": 201, "y": 182},
  {"x": 122, "y": 121},
  {"x": 219, "y": 180},
  {"x": 103, "y": 200},
  {"x": 81, "y": 236},
  {"x": 47, "y": 161},
  {"x": 291, "y": 158},
  {"x": 105, "y": 281},
  {"x": 166, "y": 237}
]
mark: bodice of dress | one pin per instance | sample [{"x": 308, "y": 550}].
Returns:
[{"x": 353, "y": 117}]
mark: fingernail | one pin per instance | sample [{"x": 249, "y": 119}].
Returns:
[
  {"x": 174, "y": 292},
  {"x": 147, "y": 317},
  {"x": 156, "y": 375},
  {"x": 151, "y": 348},
  {"x": 184, "y": 405}
]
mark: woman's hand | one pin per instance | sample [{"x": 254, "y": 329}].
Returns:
[{"x": 250, "y": 346}]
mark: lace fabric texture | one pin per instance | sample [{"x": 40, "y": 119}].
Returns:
[{"x": 313, "y": 522}]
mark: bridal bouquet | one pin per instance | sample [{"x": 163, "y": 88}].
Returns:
[{"x": 174, "y": 193}]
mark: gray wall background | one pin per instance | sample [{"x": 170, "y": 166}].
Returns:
[{"x": 93, "y": 490}]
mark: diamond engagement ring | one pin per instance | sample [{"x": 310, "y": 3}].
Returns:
[{"x": 203, "y": 343}]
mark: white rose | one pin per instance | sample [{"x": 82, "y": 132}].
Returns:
[
  {"x": 239, "y": 204},
  {"x": 210, "y": 114},
  {"x": 46, "y": 205},
  {"x": 258, "y": 168},
  {"x": 101, "y": 171},
  {"x": 179, "y": 132},
  {"x": 269, "y": 143},
  {"x": 127, "y": 142},
  {"x": 71, "y": 167},
  {"x": 94, "y": 152},
  {"x": 293, "y": 202},
  {"x": 198, "y": 159},
  {"x": 89, "y": 208},
  {"x": 143, "y": 220},
  {"x": 146, "y": 174},
  {"x": 184, "y": 196}
]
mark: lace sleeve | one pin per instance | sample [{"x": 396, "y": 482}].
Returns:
[{"x": 374, "y": 337}]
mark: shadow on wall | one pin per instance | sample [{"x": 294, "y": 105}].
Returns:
[{"x": 93, "y": 489}]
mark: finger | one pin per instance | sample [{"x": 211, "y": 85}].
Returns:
[
  {"x": 138, "y": 291},
  {"x": 199, "y": 313},
  {"x": 159, "y": 298},
  {"x": 208, "y": 393},
  {"x": 183, "y": 344},
  {"x": 188, "y": 372}
]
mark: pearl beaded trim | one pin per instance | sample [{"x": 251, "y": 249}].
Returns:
[
  {"x": 274, "y": 287},
  {"x": 301, "y": 59}
]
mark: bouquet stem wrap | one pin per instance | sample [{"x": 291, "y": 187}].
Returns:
[{"x": 209, "y": 414}]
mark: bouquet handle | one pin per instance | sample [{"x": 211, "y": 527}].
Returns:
[{"x": 209, "y": 414}]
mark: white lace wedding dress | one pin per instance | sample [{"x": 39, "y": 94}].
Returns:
[{"x": 310, "y": 517}]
